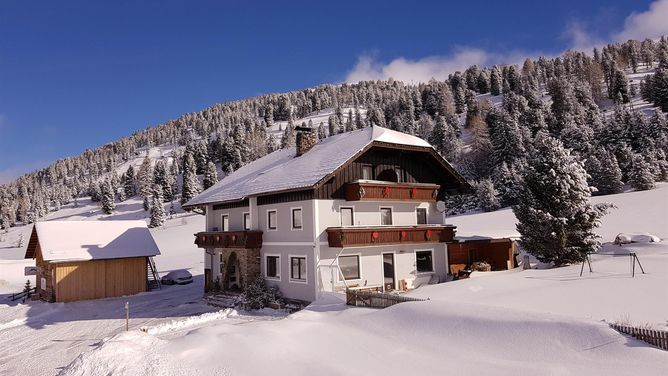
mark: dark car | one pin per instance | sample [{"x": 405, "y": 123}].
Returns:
[{"x": 178, "y": 277}]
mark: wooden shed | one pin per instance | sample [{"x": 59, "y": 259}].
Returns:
[
  {"x": 499, "y": 253},
  {"x": 80, "y": 260}
]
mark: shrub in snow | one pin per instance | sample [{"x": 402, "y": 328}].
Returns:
[
  {"x": 258, "y": 295},
  {"x": 555, "y": 217},
  {"x": 26, "y": 289}
]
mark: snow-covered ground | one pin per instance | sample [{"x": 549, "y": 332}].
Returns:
[{"x": 515, "y": 322}]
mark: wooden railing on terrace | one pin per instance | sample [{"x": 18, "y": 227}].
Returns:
[
  {"x": 229, "y": 239},
  {"x": 386, "y": 191},
  {"x": 378, "y": 235}
]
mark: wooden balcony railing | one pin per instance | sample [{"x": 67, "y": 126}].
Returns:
[
  {"x": 378, "y": 235},
  {"x": 378, "y": 191},
  {"x": 229, "y": 239}
]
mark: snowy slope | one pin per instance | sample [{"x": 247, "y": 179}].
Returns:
[{"x": 515, "y": 322}]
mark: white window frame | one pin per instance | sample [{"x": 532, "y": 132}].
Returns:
[
  {"x": 243, "y": 221},
  {"x": 278, "y": 269},
  {"x": 433, "y": 266},
  {"x": 426, "y": 215},
  {"x": 340, "y": 277},
  {"x": 222, "y": 221},
  {"x": 380, "y": 215},
  {"x": 292, "y": 280},
  {"x": 341, "y": 215},
  {"x": 292, "y": 219},
  {"x": 269, "y": 211}
]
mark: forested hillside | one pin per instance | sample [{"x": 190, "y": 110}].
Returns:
[{"x": 484, "y": 120}]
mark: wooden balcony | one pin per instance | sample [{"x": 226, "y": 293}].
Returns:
[
  {"x": 386, "y": 191},
  {"x": 379, "y": 235},
  {"x": 229, "y": 239}
]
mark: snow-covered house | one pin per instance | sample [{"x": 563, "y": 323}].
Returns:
[
  {"x": 79, "y": 260},
  {"x": 355, "y": 209}
]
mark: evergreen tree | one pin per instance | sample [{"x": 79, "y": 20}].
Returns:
[
  {"x": 129, "y": 185},
  {"x": 146, "y": 203},
  {"x": 288, "y": 139},
  {"x": 210, "y": 175},
  {"x": 487, "y": 195},
  {"x": 145, "y": 177},
  {"x": 191, "y": 186},
  {"x": 495, "y": 81},
  {"x": 640, "y": 176},
  {"x": 555, "y": 218},
  {"x": 107, "y": 199},
  {"x": 157, "y": 210}
]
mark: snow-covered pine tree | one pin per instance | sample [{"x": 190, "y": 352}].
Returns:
[
  {"x": 108, "y": 197},
  {"x": 145, "y": 177},
  {"x": 288, "y": 139},
  {"x": 210, "y": 175},
  {"x": 641, "y": 177},
  {"x": 191, "y": 186},
  {"x": 487, "y": 195},
  {"x": 555, "y": 217},
  {"x": 129, "y": 184},
  {"x": 146, "y": 203},
  {"x": 495, "y": 81},
  {"x": 157, "y": 209}
]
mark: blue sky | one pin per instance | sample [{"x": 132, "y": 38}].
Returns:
[{"x": 75, "y": 75}]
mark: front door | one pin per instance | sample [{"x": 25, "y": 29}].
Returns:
[{"x": 389, "y": 282}]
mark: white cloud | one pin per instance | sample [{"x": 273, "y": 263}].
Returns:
[
  {"x": 648, "y": 24},
  {"x": 651, "y": 23},
  {"x": 423, "y": 70}
]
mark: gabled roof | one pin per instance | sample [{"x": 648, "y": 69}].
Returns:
[
  {"x": 282, "y": 171},
  {"x": 61, "y": 241}
]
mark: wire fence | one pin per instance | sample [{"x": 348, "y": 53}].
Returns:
[{"x": 376, "y": 299}]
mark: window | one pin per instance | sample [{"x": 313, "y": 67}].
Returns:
[
  {"x": 221, "y": 264},
  {"x": 273, "y": 267},
  {"x": 297, "y": 218},
  {"x": 226, "y": 222},
  {"x": 350, "y": 267},
  {"x": 424, "y": 262},
  {"x": 386, "y": 216},
  {"x": 298, "y": 268},
  {"x": 421, "y": 216},
  {"x": 347, "y": 217},
  {"x": 367, "y": 173},
  {"x": 247, "y": 221},
  {"x": 271, "y": 219}
]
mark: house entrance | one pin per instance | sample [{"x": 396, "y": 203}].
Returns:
[{"x": 389, "y": 281}]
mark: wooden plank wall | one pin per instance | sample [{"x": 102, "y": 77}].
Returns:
[
  {"x": 100, "y": 278},
  {"x": 496, "y": 253}
]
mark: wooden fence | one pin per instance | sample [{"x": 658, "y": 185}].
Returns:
[
  {"x": 658, "y": 338},
  {"x": 376, "y": 299}
]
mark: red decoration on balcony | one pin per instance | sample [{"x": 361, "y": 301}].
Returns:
[
  {"x": 374, "y": 236},
  {"x": 427, "y": 234},
  {"x": 413, "y": 192},
  {"x": 386, "y": 191},
  {"x": 404, "y": 234}
]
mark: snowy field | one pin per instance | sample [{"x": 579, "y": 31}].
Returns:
[{"x": 515, "y": 322}]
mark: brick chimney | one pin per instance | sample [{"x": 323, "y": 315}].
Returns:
[{"x": 305, "y": 139}]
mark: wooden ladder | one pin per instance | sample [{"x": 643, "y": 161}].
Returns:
[{"x": 153, "y": 281}]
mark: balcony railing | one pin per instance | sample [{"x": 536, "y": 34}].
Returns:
[
  {"x": 378, "y": 191},
  {"x": 229, "y": 239},
  {"x": 379, "y": 235}
]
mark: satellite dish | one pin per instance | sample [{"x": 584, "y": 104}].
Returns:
[{"x": 440, "y": 206}]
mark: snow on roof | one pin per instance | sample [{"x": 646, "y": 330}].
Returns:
[
  {"x": 93, "y": 240},
  {"x": 281, "y": 170}
]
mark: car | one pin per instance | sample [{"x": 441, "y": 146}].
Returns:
[{"x": 178, "y": 277}]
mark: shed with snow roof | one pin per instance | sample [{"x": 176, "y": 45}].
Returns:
[{"x": 80, "y": 260}]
